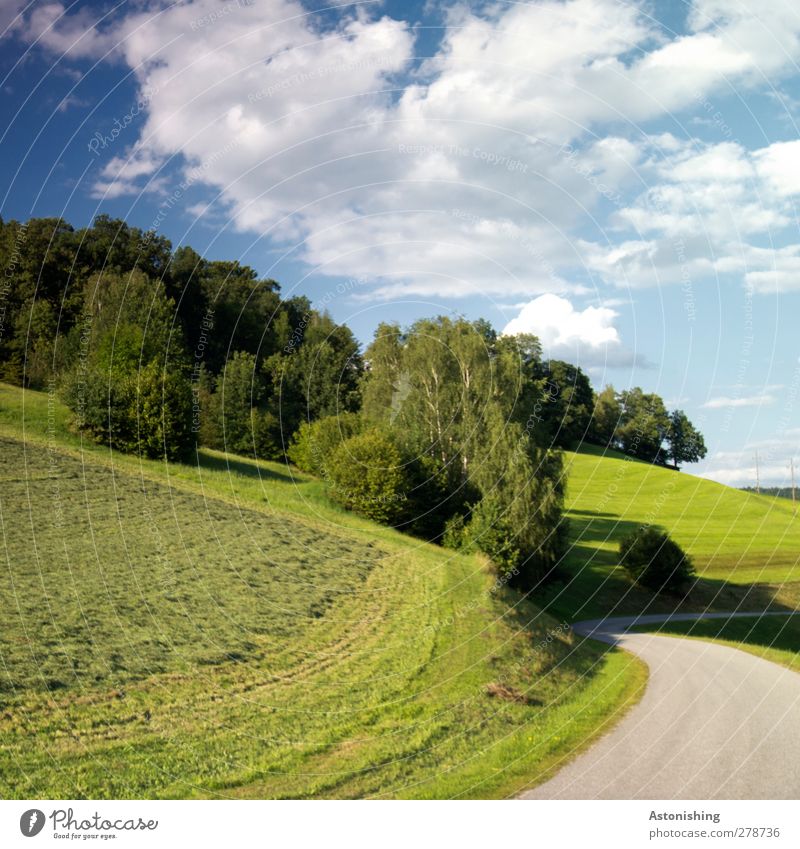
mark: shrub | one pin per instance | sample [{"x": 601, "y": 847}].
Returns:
[
  {"x": 366, "y": 475},
  {"x": 650, "y": 557},
  {"x": 490, "y": 531},
  {"x": 266, "y": 435},
  {"x": 146, "y": 412},
  {"x": 314, "y": 443},
  {"x": 455, "y": 533},
  {"x": 163, "y": 409}
]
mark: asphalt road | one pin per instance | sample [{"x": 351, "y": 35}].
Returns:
[{"x": 714, "y": 723}]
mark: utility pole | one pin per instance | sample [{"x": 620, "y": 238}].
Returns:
[
  {"x": 758, "y": 484},
  {"x": 794, "y": 496}
]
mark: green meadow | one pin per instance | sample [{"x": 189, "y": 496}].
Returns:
[
  {"x": 745, "y": 547},
  {"x": 220, "y": 629}
]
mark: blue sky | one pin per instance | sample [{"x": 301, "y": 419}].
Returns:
[{"x": 620, "y": 178}]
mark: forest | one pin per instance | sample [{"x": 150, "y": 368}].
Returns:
[{"x": 446, "y": 429}]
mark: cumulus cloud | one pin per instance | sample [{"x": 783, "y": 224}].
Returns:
[
  {"x": 473, "y": 172},
  {"x": 705, "y": 207},
  {"x": 587, "y": 337}
]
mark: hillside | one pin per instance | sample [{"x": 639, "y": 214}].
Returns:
[
  {"x": 221, "y": 629},
  {"x": 743, "y": 545}
]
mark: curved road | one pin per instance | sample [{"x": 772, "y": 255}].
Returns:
[{"x": 714, "y": 723}]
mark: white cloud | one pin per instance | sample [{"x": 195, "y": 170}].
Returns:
[
  {"x": 10, "y": 16},
  {"x": 779, "y": 166},
  {"x": 742, "y": 472},
  {"x": 120, "y": 175},
  {"x": 460, "y": 180},
  {"x": 75, "y": 35},
  {"x": 699, "y": 218},
  {"x": 587, "y": 337},
  {"x": 722, "y": 402},
  {"x": 738, "y": 468}
]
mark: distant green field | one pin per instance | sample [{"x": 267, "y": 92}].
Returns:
[
  {"x": 221, "y": 629},
  {"x": 734, "y": 535},
  {"x": 745, "y": 547},
  {"x": 775, "y": 638}
]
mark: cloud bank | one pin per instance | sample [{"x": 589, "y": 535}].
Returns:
[{"x": 516, "y": 160}]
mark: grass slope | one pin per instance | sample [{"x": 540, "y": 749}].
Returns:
[
  {"x": 221, "y": 629},
  {"x": 745, "y": 547},
  {"x": 775, "y": 638}
]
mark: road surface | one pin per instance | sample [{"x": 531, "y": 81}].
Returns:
[{"x": 714, "y": 723}]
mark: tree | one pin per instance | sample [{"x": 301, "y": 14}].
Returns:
[
  {"x": 569, "y": 400},
  {"x": 644, "y": 425},
  {"x": 238, "y": 394},
  {"x": 519, "y": 519},
  {"x": 146, "y": 412},
  {"x": 381, "y": 387},
  {"x": 316, "y": 374},
  {"x": 367, "y": 475},
  {"x": 605, "y": 417},
  {"x": 129, "y": 386},
  {"x": 654, "y": 560},
  {"x": 163, "y": 397},
  {"x": 432, "y": 387},
  {"x": 111, "y": 245},
  {"x": 686, "y": 443},
  {"x": 243, "y": 309},
  {"x": 37, "y": 260},
  {"x": 463, "y": 403}
]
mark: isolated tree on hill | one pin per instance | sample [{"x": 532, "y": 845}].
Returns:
[{"x": 686, "y": 443}]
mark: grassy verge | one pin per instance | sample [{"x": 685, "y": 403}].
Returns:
[
  {"x": 775, "y": 638},
  {"x": 221, "y": 629}
]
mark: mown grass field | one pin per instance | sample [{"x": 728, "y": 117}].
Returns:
[
  {"x": 775, "y": 638},
  {"x": 221, "y": 629},
  {"x": 745, "y": 547}
]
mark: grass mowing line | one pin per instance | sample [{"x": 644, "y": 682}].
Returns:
[{"x": 774, "y": 638}]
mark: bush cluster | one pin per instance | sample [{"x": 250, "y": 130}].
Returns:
[{"x": 655, "y": 560}]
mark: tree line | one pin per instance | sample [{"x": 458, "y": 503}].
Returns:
[{"x": 445, "y": 429}]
